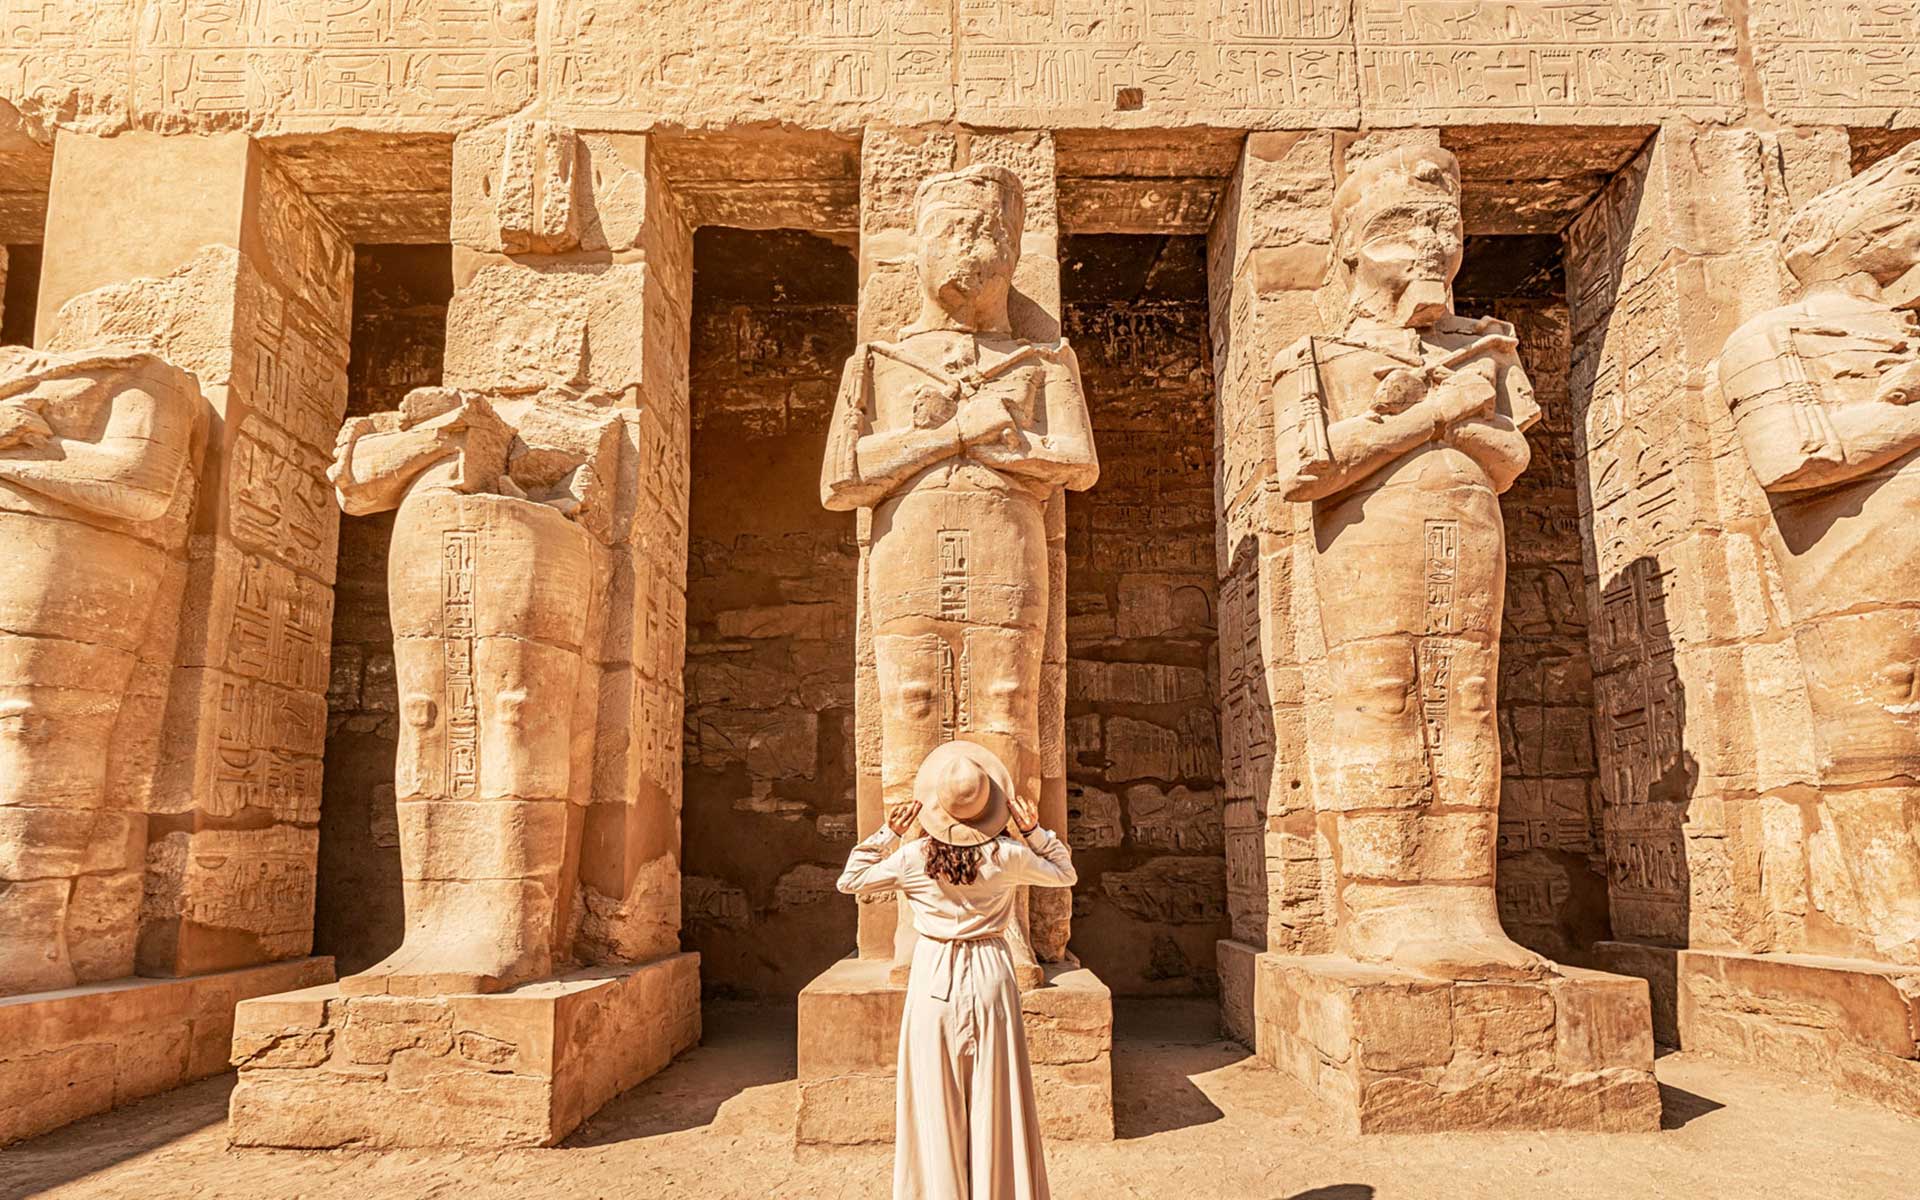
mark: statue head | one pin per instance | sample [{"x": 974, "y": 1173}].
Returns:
[
  {"x": 1397, "y": 236},
  {"x": 968, "y": 224},
  {"x": 1867, "y": 227}
]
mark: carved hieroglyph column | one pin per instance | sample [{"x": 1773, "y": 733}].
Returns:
[
  {"x": 1267, "y": 261},
  {"x": 202, "y": 249},
  {"x": 539, "y": 616},
  {"x": 181, "y": 635},
  {"x": 1758, "y": 804}
]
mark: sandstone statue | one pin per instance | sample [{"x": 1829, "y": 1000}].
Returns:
[
  {"x": 98, "y": 458},
  {"x": 1402, "y": 431},
  {"x": 957, "y": 435},
  {"x": 1825, "y": 396},
  {"x": 495, "y": 575}
]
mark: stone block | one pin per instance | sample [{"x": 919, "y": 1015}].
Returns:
[
  {"x": 849, "y": 1029},
  {"x": 523, "y": 1067},
  {"x": 1389, "y": 1051},
  {"x": 72, "y": 1053},
  {"x": 1852, "y": 1025},
  {"x": 1659, "y": 966}
]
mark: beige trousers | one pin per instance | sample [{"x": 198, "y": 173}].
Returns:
[{"x": 964, "y": 1121}]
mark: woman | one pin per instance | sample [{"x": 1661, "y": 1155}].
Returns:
[{"x": 964, "y": 1120}]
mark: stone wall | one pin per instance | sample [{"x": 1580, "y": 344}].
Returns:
[
  {"x": 769, "y": 809},
  {"x": 1143, "y": 746},
  {"x": 1552, "y": 870},
  {"x": 399, "y": 337}
]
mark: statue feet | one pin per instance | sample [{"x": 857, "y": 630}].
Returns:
[
  {"x": 1475, "y": 959},
  {"x": 1442, "y": 931},
  {"x": 441, "y": 966}
]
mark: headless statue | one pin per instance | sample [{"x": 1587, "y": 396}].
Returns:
[{"x": 492, "y": 580}]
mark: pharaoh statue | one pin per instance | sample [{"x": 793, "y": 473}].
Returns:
[
  {"x": 1825, "y": 397},
  {"x": 497, "y": 563},
  {"x": 957, "y": 435},
  {"x": 98, "y": 460},
  {"x": 1402, "y": 431}
]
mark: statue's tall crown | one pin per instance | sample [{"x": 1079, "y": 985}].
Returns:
[
  {"x": 981, "y": 186},
  {"x": 1394, "y": 189}
]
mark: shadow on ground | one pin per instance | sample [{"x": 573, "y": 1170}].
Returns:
[
  {"x": 1159, "y": 1046},
  {"x": 100, "y": 1143},
  {"x": 743, "y": 1047}
]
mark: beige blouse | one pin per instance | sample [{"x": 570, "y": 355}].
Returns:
[{"x": 953, "y": 912}]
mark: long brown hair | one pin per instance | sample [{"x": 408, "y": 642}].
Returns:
[{"x": 954, "y": 864}]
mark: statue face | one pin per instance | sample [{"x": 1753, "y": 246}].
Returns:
[
  {"x": 1404, "y": 274},
  {"x": 964, "y": 253}
]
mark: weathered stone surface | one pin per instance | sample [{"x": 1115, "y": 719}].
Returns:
[
  {"x": 522, "y": 1067},
  {"x": 1391, "y": 1051},
  {"x": 70, "y": 1053},
  {"x": 1847, "y": 1024}
]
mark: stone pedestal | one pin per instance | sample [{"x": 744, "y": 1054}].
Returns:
[
  {"x": 515, "y": 1068},
  {"x": 849, "y": 1034},
  {"x": 1851, "y": 1024},
  {"x": 1393, "y": 1052},
  {"x": 72, "y": 1053}
]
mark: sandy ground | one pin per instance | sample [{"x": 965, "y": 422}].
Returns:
[{"x": 1197, "y": 1118}]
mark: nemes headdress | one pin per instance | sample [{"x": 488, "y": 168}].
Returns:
[
  {"x": 1823, "y": 241},
  {"x": 982, "y": 186},
  {"x": 1395, "y": 189}
]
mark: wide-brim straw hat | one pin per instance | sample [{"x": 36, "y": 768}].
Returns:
[{"x": 964, "y": 791}]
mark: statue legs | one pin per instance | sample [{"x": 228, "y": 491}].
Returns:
[
  {"x": 959, "y": 594},
  {"x": 74, "y": 610},
  {"x": 490, "y": 596},
  {"x": 1410, "y": 600}
]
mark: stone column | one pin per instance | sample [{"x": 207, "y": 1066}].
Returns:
[
  {"x": 1266, "y": 262},
  {"x": 572, "y": 272},
  {"x": 849, "y": 1015},
  {"x": 201, "y": 251},
  {"x": 1735, "y": 846}
]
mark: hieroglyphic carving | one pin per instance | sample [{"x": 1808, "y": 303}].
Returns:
[
  {"x": 1816, "y": 58},
  {"x": 1520, "y": 58}
]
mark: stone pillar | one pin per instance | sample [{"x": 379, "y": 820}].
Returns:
[
  {"x": 849, "y": 1016},
  {"x": 573, "y": 268},
  {"x": 201, "y": 251},
  {"x": 1266, "y": 262},
  {"x": 1737, "y": 850},
  {"x": 1361, "y": 745}
]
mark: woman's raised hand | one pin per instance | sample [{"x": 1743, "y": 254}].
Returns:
[
  {"x": 901, "y": 817},
  {"x": 1026, "y": 814}
]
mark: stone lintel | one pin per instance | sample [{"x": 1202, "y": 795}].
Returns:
[
  {"x": 1390, "y": 1051},
  {"x": 849, "y": 1019},
  {"x": 524, "y": 1067},
  {"x": 78, "y": 1051}
]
